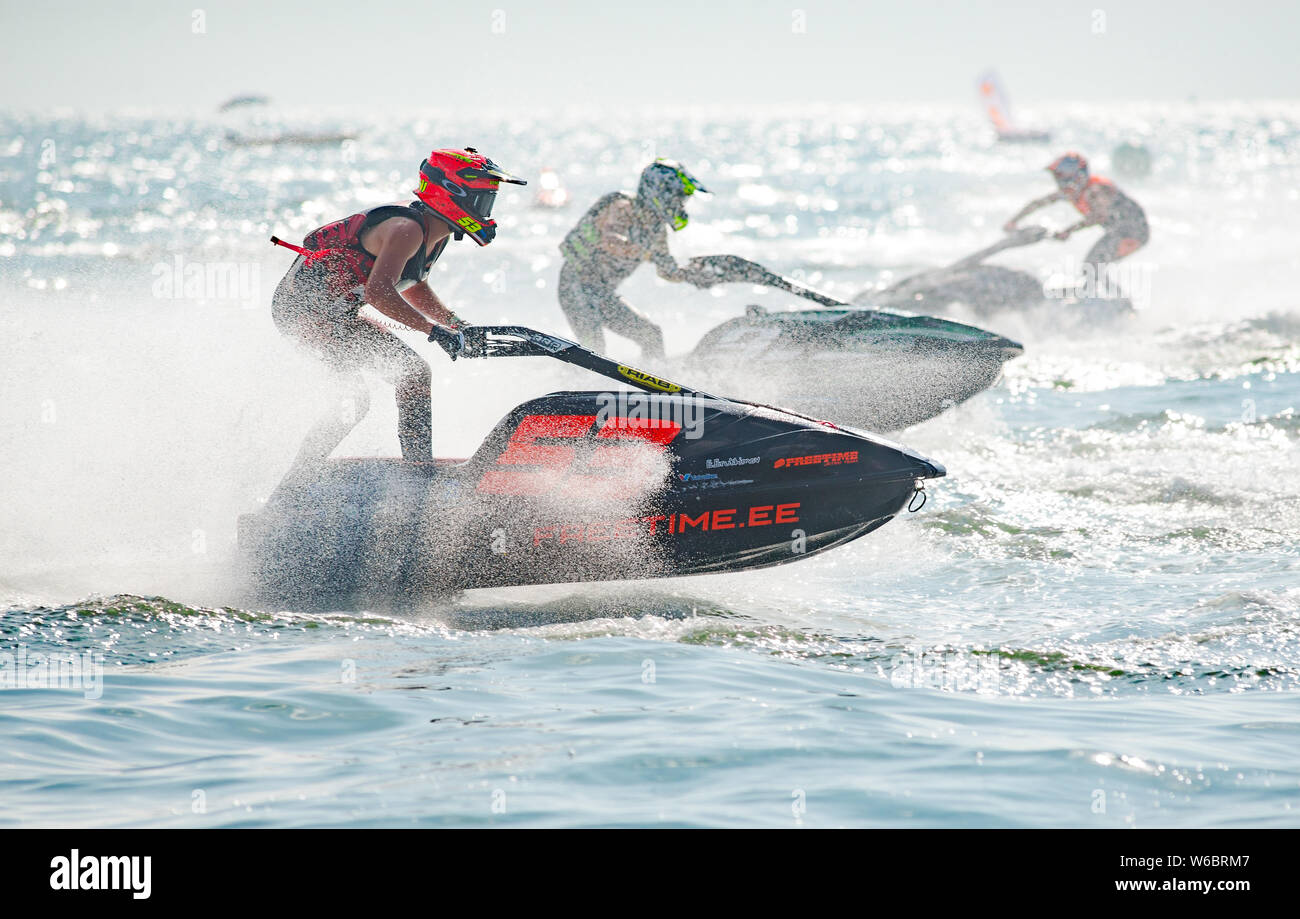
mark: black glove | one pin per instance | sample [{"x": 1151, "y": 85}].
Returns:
[
  {"x": 450, "y": 340},
  {"x": 701, "y": 276}
]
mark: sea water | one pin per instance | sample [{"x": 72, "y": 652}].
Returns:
[{"x": 1095, "y": 620}]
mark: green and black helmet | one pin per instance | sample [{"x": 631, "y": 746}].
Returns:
[{"x": 664, "y": 187}]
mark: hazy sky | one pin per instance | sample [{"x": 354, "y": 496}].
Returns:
[{"x": 106, "y": 54}]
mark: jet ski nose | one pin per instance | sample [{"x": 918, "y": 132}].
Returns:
[
  {"x": 1008, "y": 348},
  {"x": 936, "y": 470},
  {"x": 915, "y": 465}
]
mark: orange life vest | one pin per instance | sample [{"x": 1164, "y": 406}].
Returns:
[{"x": 1080, "y": 201}]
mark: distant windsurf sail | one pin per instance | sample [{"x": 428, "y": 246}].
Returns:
[{"x": 994, "y": 99}]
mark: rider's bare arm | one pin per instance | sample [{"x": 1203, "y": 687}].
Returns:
[
  {"x": 394, "y": 242},
  {"x": 422, "y": 297},
  {"x": 1070, "y": 230},
  {"x": 1032, "y": 206},
  {"x": 665, "y": 265}
]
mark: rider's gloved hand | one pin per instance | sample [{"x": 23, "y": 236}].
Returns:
[
  {"x": 1009, "y": 227},
  {"x": 702, "y": 278},
  {"x": 450, "y": 340}
]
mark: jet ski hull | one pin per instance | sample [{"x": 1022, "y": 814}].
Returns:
[
  {"x": 872, "y": 369},
  {"x": 990, "y": 291},
  {"x": 580, "y": 486}
]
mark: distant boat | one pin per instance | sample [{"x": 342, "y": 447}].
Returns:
[
  {"x": 248, "y": 136},
  {"x": 995, "y": 102},
  {"x": 241, "y": 101},
  {"x": 306, "y": 139}
]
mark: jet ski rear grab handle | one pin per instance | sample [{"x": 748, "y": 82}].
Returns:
[{"x": 1021, "y": 236}]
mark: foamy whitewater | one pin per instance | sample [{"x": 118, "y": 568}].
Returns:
[{"x": 1095, "y": 620}]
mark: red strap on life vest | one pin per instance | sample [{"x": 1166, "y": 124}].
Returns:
[{"x": 311, "y": 255}]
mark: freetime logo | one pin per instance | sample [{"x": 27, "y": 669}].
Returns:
[
  {"x": 103, "y": 872},
  {"x": 826, "y": 459}
]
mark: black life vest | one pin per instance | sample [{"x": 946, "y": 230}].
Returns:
[{"x": 581, "y": 247}]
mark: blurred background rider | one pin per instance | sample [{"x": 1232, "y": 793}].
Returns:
[
  {"x": 1101, "y": 203},
  {"x": 612, "y": 239}
]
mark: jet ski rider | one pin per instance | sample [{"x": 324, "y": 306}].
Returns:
[
  {"x": 382, "y": 257},
  {"x": 1101, "y": 204},
  {"x": 612, "y": 239}
]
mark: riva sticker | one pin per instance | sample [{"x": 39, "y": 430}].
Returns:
[{"x": 642, "y": 378}]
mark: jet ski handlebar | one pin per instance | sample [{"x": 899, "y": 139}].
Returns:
[
  {"x": 521, "y": 341},
  {"x": 732, "y": 269},
  {"x": 1021, "y": 236},
  {"x": 512, "y": 341}
]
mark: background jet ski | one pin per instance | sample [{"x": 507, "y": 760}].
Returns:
[
  {"x": 872, "y": 368},
  {"x": 987, "y": 290},
  {"x": 580, "y": 486}
]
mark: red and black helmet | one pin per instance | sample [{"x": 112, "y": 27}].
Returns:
[
  {"x": 1070, "y": 171},
  {"x": 460, "y": 187}
]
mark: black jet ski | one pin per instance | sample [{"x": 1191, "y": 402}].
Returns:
[
  {"x": 990, "y": 290},
  {"x": 878, "y": 369},
  {"x": 658, "y": 481}
]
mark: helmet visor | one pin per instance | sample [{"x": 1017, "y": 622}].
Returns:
[{"x": 479, "y": 202}]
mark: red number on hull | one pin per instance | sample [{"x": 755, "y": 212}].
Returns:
[{"x": 552, "y": 463}]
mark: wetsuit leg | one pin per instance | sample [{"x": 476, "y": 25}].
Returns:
[
  {"x": 579, "y": 310},
  {"x": 412, "y": 381},
  {"x": 622, "y": 319},
  {"x": 1119, "y": 241},
  {"x": 350, "y": 406},
  {"x": 590, "y": 308},
  {"x": 329, "y": 327},
  {"x": 1103, "y": 252}
]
